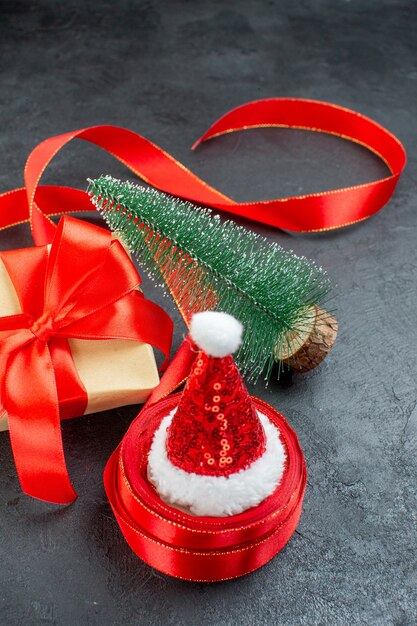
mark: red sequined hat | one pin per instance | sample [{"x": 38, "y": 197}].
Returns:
[
  {"x": 216, "y": 430},
  {"x": 215, "y": 453}
]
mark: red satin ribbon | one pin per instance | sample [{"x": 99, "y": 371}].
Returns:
[
  {"x": 313, "y": 212},
  {"x": 89, "y": 292},
  {"x": 200, "y": 548},
  {"x": 321, "y": 211}
]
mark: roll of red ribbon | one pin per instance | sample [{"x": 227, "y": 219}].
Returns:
[{"x": 200, "y": 548}]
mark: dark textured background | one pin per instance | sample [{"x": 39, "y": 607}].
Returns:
[{"x": 168, "y": 70}]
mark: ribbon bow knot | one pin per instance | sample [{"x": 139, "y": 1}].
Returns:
[
  {"x": 89, "y": 292},
  {"x": 44, "y": 327}
]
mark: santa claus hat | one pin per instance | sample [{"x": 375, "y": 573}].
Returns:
[{"x": 215, "y": 454}]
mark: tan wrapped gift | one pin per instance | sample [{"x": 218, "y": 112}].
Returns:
[{"x": 114, "y": 372}]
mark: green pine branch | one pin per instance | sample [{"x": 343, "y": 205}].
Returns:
[{"x": 209, "y": 264}]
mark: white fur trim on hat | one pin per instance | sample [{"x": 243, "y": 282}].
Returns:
[
  {"x": 217, "y": 496},
  {"x": 217, "y": 333}
]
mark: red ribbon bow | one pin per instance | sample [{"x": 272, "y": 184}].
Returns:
[{"x": 89, "y": 292}]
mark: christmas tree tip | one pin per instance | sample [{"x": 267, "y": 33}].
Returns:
[{"x": 217, "y": 333}]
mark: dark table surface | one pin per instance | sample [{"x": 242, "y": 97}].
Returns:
[{"x": 168, "y": 70}]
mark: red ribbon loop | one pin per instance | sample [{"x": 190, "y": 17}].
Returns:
[
  {"x": 313, "y": 212},
  {"x": 89, "y": 292}
]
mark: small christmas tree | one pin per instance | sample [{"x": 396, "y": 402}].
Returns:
[{"x": 207, "y": 264}]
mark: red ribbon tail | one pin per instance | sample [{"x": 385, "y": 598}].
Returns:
[
  {"x": 34, "y": 425},
  {"x": 176, "y": 373}
]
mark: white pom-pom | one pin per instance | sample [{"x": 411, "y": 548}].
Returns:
[{"x": 218, "y": 334}]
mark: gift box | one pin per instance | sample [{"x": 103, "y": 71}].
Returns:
[
  {"x": 114, "y": 372},
  {"x": 77, "y": 336}
]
